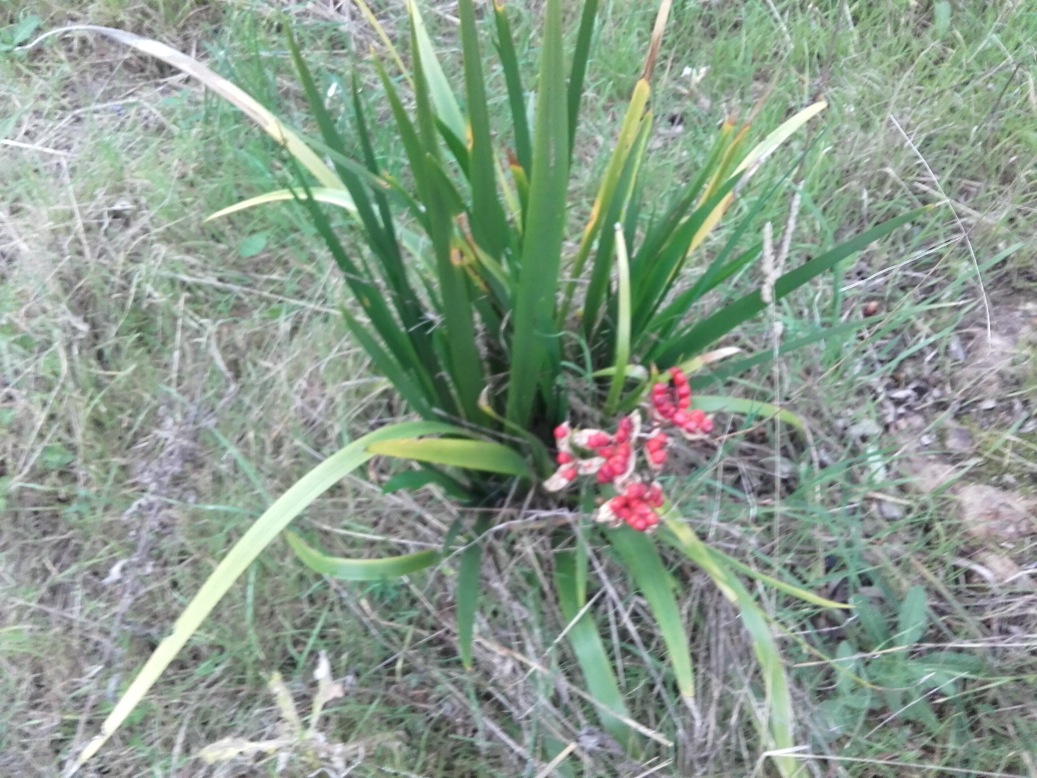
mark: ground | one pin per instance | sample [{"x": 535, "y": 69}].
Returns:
[{"x": 162, "y": 378}]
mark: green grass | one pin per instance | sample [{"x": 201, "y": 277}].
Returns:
[{"x": 162, "y": 377}]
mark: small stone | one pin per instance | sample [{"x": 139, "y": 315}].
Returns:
[
  {"x": 955, "y": 350},
  {"x": 862, "y": 430},
  {"x": 958, "y": 440},
  {"x": 890, "y": 511}
]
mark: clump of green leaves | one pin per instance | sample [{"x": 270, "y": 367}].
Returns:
[
  {"x": 487, "y": 313},
  {"x": 890, "y": 671}
]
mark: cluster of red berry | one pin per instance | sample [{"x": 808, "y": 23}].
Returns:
[
  {"x": 637, "y": 505},
  {"x": 609, "y": 457},
  {"x": 612, "y": 458},
  {"x": 671, "y": 402}
]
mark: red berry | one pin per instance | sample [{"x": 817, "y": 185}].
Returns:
[
  {"x": 657, "y": 442},
  {"x": 562, "y": 430},
  {"x": 569, "y": 473},
  {"x": 564, "y": 458},
  {"x": 680, "y": 418}
]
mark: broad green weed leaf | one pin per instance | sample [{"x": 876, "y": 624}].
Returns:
[
  {"x": 872, "y": 621},
  {"x": 912, "y": 618},
  {"x": 13, "y": 36},
  {"x": 252, "y": 245}
]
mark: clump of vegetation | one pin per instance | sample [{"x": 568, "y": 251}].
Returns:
[
  {"x": 473, "y": 303},
  {"x": 514, "y": 389}
]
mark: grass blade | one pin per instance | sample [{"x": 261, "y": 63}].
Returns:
[
  {"x": 751, "y": 408},
  {"x": 466, "y": 599}
]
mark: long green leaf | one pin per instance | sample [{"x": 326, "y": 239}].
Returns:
[
  {"x": 751, "y": 408},
  {"x": 535, "y": 338},
  {"x": 372, "y": 301},
  {"x": 711, "y": 329},
  {"x": 440, "y": 203},
  {"x": 621, "y": 210},
  {"x": 443, "y": 98},
  {"x": 482, "y": 455},
  {"x": 337, "y": 197},
  {"x": 777, "y": 724},
  {"x": 581, "y": 55},
  {"x": 267, "y": 527},
  {"x": 513, "y": 80},
  {"x": 583, "y": 637},
  {"x": 776, "y": 583},
  {"x": 776, "y": 718},
  {"x": 633, "y": 125},
  {"x": 385, "y": 240},
  {"x": 777, "y": 137},
  {"x": 642, "y": 561},
  {"x": 383, "y": 569},
  {"x": 487, "y": 217},
  {"x": 655, "y": 275},
  {"x": 234, "y": 95},
  {"x": 621, "y": 357}
]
